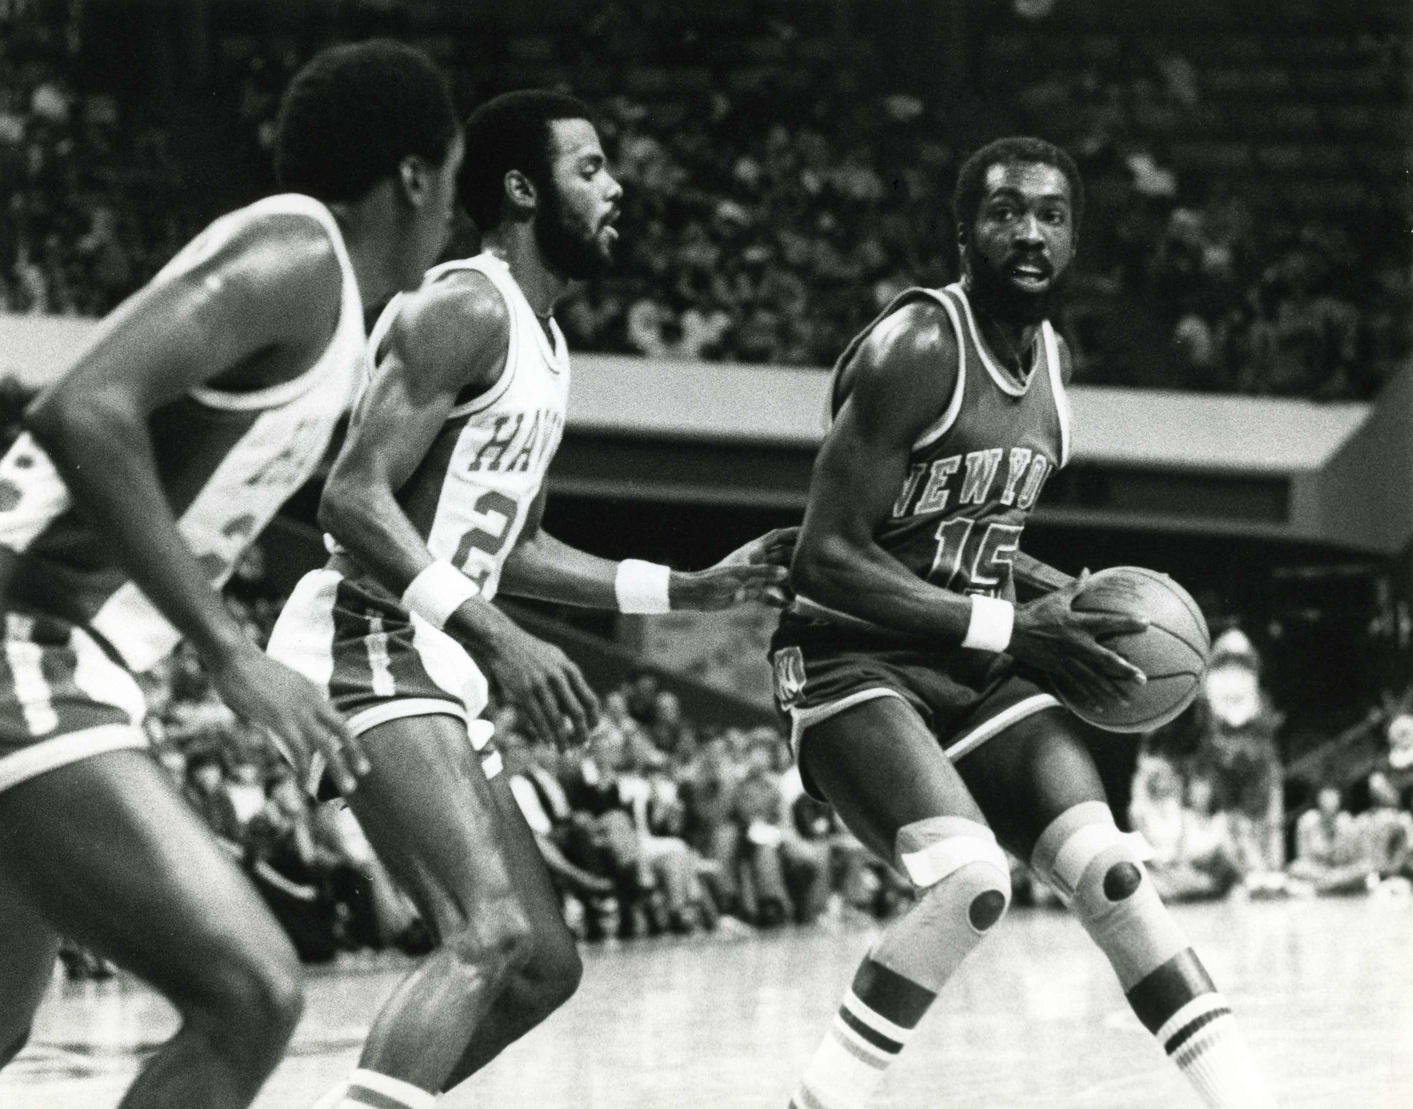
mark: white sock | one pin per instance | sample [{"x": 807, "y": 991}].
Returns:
[
  {"x": 851, "y": 1059},
  {"x": 1203, "y": 1040},
  {"x": 367, "y": 1089}
]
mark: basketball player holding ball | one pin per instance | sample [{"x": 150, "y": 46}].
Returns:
[{"x": 921, "y": 695}]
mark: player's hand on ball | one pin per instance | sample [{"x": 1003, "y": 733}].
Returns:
[
  {"x": 292, "y": 709},
  {"x": 540, "y": 680},
  {"x": 1053, "y": 637},
  {"x": 757, "y": 571}
]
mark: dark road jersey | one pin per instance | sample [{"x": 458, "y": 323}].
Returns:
[{"x": 975, "y": 473}]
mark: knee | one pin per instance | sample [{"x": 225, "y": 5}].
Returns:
[
  {"x": 1085, "y": 856},
  {"x": 561, "y": 971},
  {"x": 497, "y": 940},
  {"x": 255, "y": 1006},
  {"x": 959, "y": 871}
]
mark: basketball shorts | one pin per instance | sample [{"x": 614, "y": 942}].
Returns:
[
  {"x": 964, "y": 697},
  {"x": 63, "y": 698},
  {"x": 377, "y": 661}
]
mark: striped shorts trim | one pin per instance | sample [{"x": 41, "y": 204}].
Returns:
[
  {"x": 50, "y": 754},
  {"x": 377, "y": 662},
  {"x": 965, "y": 742},
  {"x": 62, "y": 698}
]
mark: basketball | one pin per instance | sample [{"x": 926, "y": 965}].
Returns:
[{"x": 1172, "y": 651}]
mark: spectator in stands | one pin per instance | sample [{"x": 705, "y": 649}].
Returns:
[
  {"x": 1155, "y": 808},
  {"x": 787, "y": 875},
  {"x": 1206, "y": 863},
  {"x": 1237, "y": 750},
  {"x": 1387, "y": 827},
  {"x": 591, "y": 783},
  {"x": 290, "y": 872},
  {"x": 1331, "y": 855},
  {"x": 1304, "y": 340},
  {"x": 1398, "y": 762},
  {"x": 672, "y": 868},
  {"x": 707, "y": 786},
  {"x": 208, "y": 794}
]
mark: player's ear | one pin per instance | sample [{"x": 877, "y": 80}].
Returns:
[
  {"x": 414, "y": 176},
  {"x": 520, "y": 192}
]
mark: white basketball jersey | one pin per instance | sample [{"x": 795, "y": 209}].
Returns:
[
  {"x": 470, "y": 497},
  {"x": 227, "y": 462}
]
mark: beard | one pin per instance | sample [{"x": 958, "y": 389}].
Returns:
[
  {"x": 1006, "y": 302},
  {"x": 569, "y": 249}
]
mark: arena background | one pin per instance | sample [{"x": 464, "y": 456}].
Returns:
[{"x": 1241, "y": 316}]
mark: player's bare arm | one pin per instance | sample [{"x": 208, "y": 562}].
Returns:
[
  {"x": 547, "y": 569},
  {"x": 449, "y": 340},
  {"x": 252, "y": 314},
  {"x": 897, "y": 389}
]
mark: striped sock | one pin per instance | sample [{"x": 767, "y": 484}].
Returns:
[
  {"x": 878, "y": 1017},
  {"x": 1178, "y": 1003},
  {"x": 367, "y": 1089},
  {"x": 1203, "y": 1040}
]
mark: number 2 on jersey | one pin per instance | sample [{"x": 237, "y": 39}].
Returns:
[
  {"x": 982, "y": 561},
  {"x": 493, "y": 515}
]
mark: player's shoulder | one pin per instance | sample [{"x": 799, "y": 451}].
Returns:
[
  {"x": 912, "y": 348},
  {"x": 459, "y": 322},
  {"x": 276, "y": 257},
  {"x": 462, "y": 300}
]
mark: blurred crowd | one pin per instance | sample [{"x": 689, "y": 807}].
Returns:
[
  {"x": 1222, "y": 817},
  {"x": 93, "y": 195},
  {"x": 772, "y": 209}
]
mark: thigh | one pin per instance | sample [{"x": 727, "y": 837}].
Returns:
[
  {"x": 433, "y": 819},
  {"x": 111, "y": 856},
  {"x": 1028, "y": 775},
  {"x": 882, "y": 769}
]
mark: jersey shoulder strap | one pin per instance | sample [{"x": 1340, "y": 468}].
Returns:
[
  {"x": 497, "y": 274},
  {"x": 938, "y": 427},
  {"x": 350, "y": 303}
]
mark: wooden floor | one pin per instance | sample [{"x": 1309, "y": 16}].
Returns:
[{"x": 1323, "y": 989}]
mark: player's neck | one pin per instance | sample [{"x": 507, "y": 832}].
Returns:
[
  {"x": 1008, "y": 341},
  {"x": 374, "y": 245},
  {"x": 515, "y": 245}
]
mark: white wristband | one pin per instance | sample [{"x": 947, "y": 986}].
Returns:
[
  {"x": 992, "y": 621},
  {"x": 642, "y": 586},
  {"x": 437, "y": 592}
]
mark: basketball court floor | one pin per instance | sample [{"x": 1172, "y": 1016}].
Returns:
[{"x": 1035, "y": 1019}]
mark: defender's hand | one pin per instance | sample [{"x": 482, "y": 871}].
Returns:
[
  {"x": 540, "y": 680},
  {"x": 292, "y": 709},
  {"x": 1052, "y": 637},
  {"x": 757, "y": 571}
]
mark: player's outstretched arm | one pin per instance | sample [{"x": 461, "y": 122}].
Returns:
[
  {"x": 275, "y": 286},
  {"x": 547, "y": 569},
  {"x": 448, "y": 339}
]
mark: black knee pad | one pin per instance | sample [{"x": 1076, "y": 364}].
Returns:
[
  {"x": 986, "y": 909},
  {"x": 1121, "y": 881}
]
